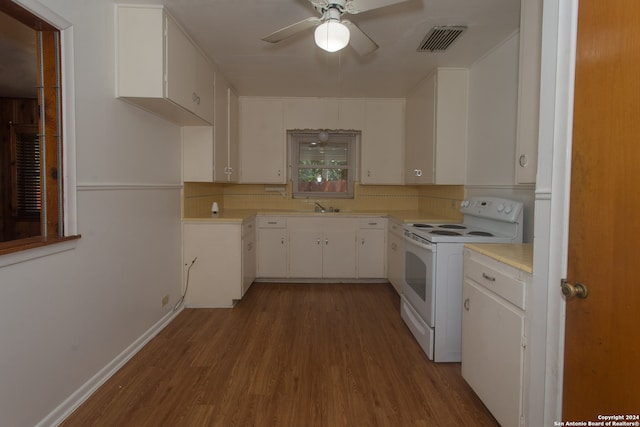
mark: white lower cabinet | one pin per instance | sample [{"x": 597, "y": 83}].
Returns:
[
  {"x": 322, "y": 248},
  {"x": 493, "y": 335},
  {"x": 372, "y": 237},
  {"x": 224, "y": 263},
  {"x": 273, "y": 243},
  {"x": 249, "y": 251},
  {"x": 395, "y": 255}
]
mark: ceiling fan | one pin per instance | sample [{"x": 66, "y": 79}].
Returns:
[{"x": 333, "y": 33}]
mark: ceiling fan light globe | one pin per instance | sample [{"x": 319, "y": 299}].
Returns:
[{"x": 332, "y": 36}]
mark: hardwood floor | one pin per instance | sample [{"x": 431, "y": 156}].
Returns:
[{"x": 287, "y": 355}]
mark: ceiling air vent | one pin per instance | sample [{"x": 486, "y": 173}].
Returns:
[{"x": 440, "y": 38}]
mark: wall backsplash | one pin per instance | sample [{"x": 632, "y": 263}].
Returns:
[{"x": 435, "y": 200}]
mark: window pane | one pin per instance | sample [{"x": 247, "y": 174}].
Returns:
[
  {"x": 323, "y": 180},
  {"x": 314, "y": 153}
]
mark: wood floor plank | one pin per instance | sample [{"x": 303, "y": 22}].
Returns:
[{"x": 287, "y": 355}]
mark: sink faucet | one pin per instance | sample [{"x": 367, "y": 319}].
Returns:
[{"x": 319, "y": 207}]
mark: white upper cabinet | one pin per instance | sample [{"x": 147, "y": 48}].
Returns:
[
  {"x": 210, "y": 153},
  {"x": 324, "y": 113},
  {"x": 310, "y": 113},
  {"x": 382, "y": 144},
  {"x": 262, "y": 141},
  {"x": 350, "y": 114},
  {"x": 197, "y": 154},
  {"x": 225, "y": 131},
  {"x": 160, "y": 69},
  {"x": 436, "y": 129},
  {"x": 529, "y": 91}
]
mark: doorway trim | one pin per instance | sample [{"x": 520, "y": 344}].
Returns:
[{"x": 559, "y": 34}]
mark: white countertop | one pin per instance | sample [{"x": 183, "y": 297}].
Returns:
[{"x": 518, "y": 255}]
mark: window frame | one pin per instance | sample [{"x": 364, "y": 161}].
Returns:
[
  {"x": 59, "y": 234},
  {"x": 297, "y": 137}
]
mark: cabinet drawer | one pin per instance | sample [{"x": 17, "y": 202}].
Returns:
[
  {"x": 271, "y": 222},
  {"x": 502, "y": 282},
  {"x": 248, "y": 227},
  {"x": 396, "y": 228},
  {"x": 372, "y": 223}
]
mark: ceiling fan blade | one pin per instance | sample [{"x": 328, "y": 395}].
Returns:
[
  {"x": 357, "y": 6},
  {"x": 359, "y": 40},
  {"x": 292, "y": 29}
]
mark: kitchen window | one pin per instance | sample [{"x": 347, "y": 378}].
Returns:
[
  {"x": 34, "y": 200},
  {"x": 323, "y": 163}
]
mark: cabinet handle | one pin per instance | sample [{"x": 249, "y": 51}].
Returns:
[
  {"x": 326, "y": 242},
  {"x": 250, "y": 245},
  {"x": 282, "y": 241},
  {"x": 368, "y": 173},
  {"x": 466, "y": 304},
  {"x": 363, "y": 241},
  {"x": 272, "y": 222},
  {"x": 318, "y": 242},
  {"x": 372, "y": 223},
  {"x": 489, "y": 278},
  {"x": 279, "y": 172},
  {"x": 417, "y": 172},
  {"x": 523, "y": 160},
  {"x": 394, "y": 247}
]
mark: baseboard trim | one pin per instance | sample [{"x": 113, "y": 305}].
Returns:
[{"x": 59, "y": 414}]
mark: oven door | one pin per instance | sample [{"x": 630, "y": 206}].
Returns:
[
  {"x": 418, "y": 293},
  {"x": 418, "y": 283}
]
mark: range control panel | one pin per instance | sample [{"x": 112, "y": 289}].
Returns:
[{"x": 492, "y": 207}]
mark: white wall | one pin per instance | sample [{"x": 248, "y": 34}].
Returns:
[
  {"x": 65, "y": 317},
  {"x": 493, "y": 97}
]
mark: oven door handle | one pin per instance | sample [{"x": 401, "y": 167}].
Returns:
[{"x": 420, "y": 244}]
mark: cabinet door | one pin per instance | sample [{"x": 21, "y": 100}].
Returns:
[
  {"x": 529, "y": 91},
  {"x": 351, "y": 114},
  {"x": 371, "y": 253},
  {"x": 305, "y": 254},
  {"x": 382, "y": 145},
  {"x": 248, "y": 260},
  {"x": 272, "y": 252},
  {"x": 436, "y": 128},
  {"x": 233, "y": 143},
  {"x": 203, "y": 87},
  {"x": 197, "y": 154},
  {"x": 215, "y": 279},
  {"x": 310, "y": 113},
  {"x": 420, "y": 137},
  {"x": 262, "y": 141},
  {"x": 339, "y": 254},
  {"x": 221, "y": 127},
  {"x": 449, "y": 154},
  {"x": 140, "y": 52},
  {"x": 492, "y": 352},
  {"x": 180, "y": 57}
]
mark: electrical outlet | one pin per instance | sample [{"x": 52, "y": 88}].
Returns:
[{"x": 165, "y": 300}]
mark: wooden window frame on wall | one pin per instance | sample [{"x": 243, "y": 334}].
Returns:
[{"x": 50, "y": 97}]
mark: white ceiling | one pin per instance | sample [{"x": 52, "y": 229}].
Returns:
[{"x": 230, "y": 32}]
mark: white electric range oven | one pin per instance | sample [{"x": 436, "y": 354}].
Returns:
[{"x": 432, "y": 282}]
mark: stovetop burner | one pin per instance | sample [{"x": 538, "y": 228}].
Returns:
[
  {"x": 423, "y": 225},
  {"x": 480, "y": 233},
  {"x": 453, "y": 226},
  {"x": 446, "y": 233}
]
